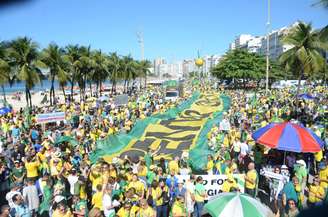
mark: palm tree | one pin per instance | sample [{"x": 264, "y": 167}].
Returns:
[
  {"x": 129, "y": 71},
  {"x": 100, "y": 70},
  {"x": 24, "y": 54},
  {"x": 144, "y": 70},
  {"x": 85, "y": 66},
  {"x": 52, "y": 57},
  {"x": 323, "y": 3},
  {"x": 304, "y": 58},
  {"x": 115, "y": 67},
  {"x": 71, "y": 59}
]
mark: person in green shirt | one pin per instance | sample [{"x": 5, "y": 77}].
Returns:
[
  {"x": 150, "y": 175},
  {"x": 80, "y": 208},
  {"x": 18, "y": 172},
  {"x": 200, "y": 195},
  {"x": 301, "y": 173}
]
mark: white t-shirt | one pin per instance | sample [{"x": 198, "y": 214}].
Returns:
[
  {"x": 243, "y": 148},
  {"x": 107, "y": 202},
  {"x": 72, "y": 180}
]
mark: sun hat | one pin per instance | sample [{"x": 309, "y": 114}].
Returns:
[{"x": 301, "y": 162}]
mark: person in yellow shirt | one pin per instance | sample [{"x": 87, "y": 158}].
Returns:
[
  {"x": 316, "y": 193},
  {"x": 179, "y": 208},
  {"x": 97, "y": 198},
  {"x": 96, "y": 177},
  {"x": 251, "y": 180},
  {"x": 210, "y": 165},
  {"x": 32, "y": 166},
  {"x": 174, "y": 165},
  {"x": 127, "y": 210},
  {"x": 137, "y": 185},
  {"x": 230, "y": 184},
  {"x": 62, "y": 211},
  {"x": 145, "y": 210},
  {"x": 323, "y": 175}
]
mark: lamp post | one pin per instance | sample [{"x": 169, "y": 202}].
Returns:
[{"x": 267, "y": 51}]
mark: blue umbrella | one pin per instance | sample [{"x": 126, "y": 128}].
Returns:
[
  {"x": 4, "y": 110},
  {"x": 306, "y": 96}
]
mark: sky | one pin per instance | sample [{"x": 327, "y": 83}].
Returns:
[{"x": 173, "y": 29}]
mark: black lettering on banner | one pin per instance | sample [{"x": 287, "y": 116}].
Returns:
[{"x": 220, "y": 181}]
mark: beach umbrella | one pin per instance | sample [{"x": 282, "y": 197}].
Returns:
[
  {"x": 236, "y": 205},
  {"x": 4, "y": 110},
  {"x": 306, "y": 96},
  {"x": 288, "y": 137}
]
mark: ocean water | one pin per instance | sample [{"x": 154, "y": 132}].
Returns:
[{"x": 44, "y": 85}]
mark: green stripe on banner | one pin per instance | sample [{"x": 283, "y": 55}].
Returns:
[
  {"x": 249, "y": 209},
  {"x": 114, "y": 143},
  {"x": 198, "y": 155}
]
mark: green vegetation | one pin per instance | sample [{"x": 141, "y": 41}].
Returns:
[
  {"x": 248, "y": 67},
  {"x": 305, "y": 59},
  {"x": 22, "y": 60}
]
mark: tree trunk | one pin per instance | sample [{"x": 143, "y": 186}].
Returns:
[
  {"x": 100, "y": 88},
  {"x": 145, "y": 82},
  {"x": 140, "y": 81},
  {"x": 30, "y": 98},
  {"x": 52, "y": 91},
  {"x": 4, "y": 93},
  {"x": 26, "y": 96},
  {"x": 298, "y": 91},
  {"x": 90, "y": 86},
  {"x": 64, "y": 93},
  {"x": 72, "y": 86}
]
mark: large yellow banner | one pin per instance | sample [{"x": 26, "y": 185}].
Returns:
[{"x": 171, "y": 137}]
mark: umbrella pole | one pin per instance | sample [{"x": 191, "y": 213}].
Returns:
[{"x": 284, "y": 157}]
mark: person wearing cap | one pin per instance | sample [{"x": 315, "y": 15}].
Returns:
[
  {"x": 150, "y": 175},
  {"x": 316, "y": 193},
  {"x": 80, "y": 208},
  {"x": 230, "y": 184},
  {"x": 180, "y": 190},
  {"x": 18, "y": 172},
  {"x": 301, "y": 173}
]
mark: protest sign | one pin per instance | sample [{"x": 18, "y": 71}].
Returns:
[
  {"x": 50, "y": 117},
  {"x": 122, "y": 99},
  {"x": 213, "y": 183}
]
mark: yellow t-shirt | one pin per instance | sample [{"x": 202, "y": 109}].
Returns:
[
  {"x": 226, "y": 187},
  {"x": 32, "y": 169},
  {"x": 323, "y": 175},
  {"x": 95, "y": 179},
  {"x": 138, "y": 186},
  {"x": 127, "y": 213},
  {"x": 210, "y": 165},
  {"x": 318, "y": 156},
  {"x": 156, "y": 193},
  {"x": 315, "y": 191},
  {"x": 148, "y": 212},
  {"x": 57, "y": 213},
  {"x": 251, "y": 175},
  {"x": 97, "y": 200},
  {"x": 179, "y": 209},
  {"x": 173, "y": 166}
]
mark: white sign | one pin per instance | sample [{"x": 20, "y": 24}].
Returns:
[
  {"x": 281, "y": 179},
  {"x": 213, "y": 183},
  {"x": 50, "y": 117}
]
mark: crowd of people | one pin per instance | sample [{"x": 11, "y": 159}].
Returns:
[{"x": 41, "y": 178}]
